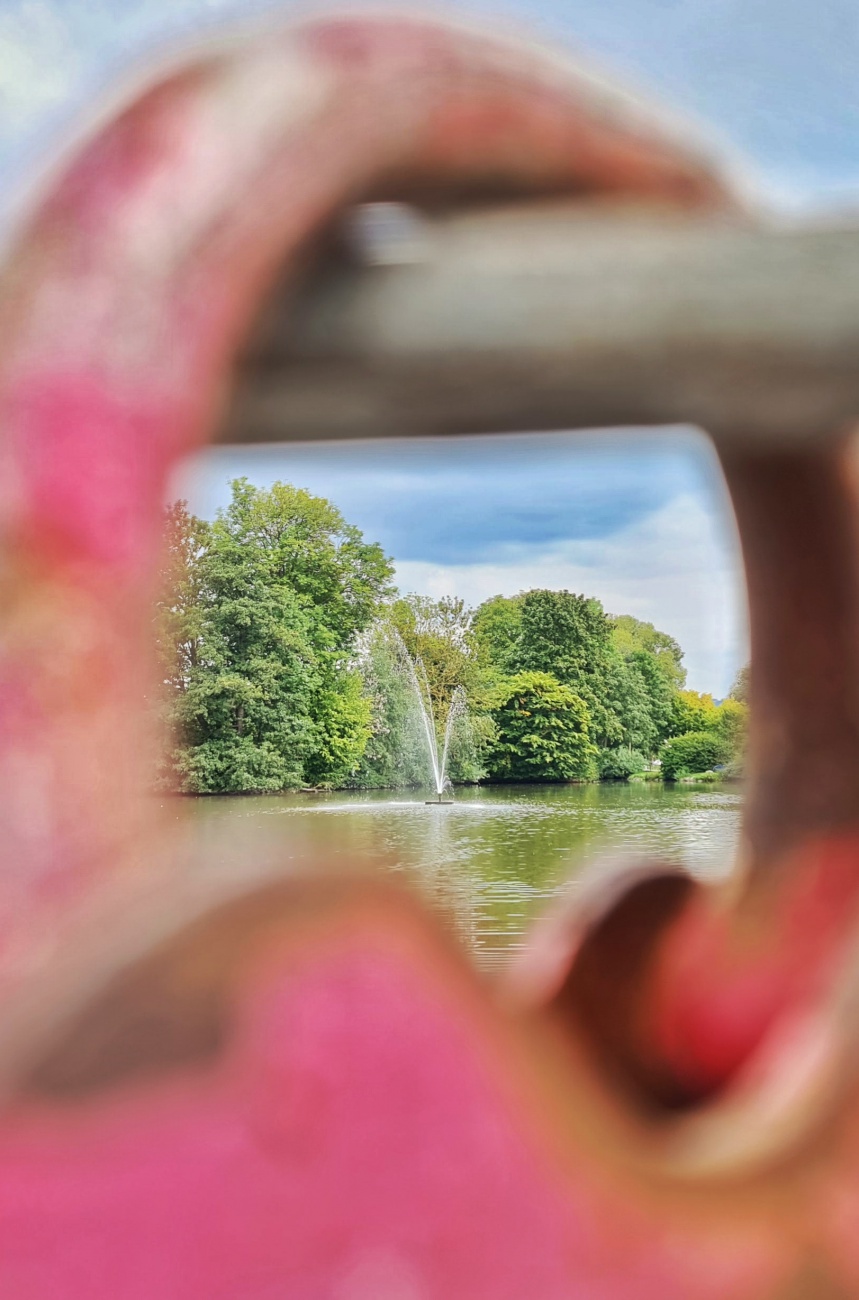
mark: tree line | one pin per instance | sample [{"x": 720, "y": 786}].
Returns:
[{"x": 281, "y": 639}]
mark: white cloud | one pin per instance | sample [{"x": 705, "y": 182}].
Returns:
[
  {"x": 39, "y": 64},
  {"x": 678, "y": 568},
  {"x": 676, "y": 565}
]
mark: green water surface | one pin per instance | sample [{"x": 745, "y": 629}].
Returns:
[{"x": 496, "y": 856}]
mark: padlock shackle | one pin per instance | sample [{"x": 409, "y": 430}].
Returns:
[{"x": 574, "y": 315}]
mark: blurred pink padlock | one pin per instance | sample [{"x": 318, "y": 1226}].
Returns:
[{"x": 297, "y": 1088}]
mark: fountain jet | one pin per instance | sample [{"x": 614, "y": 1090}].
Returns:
[{"x": 415, "y": 671}]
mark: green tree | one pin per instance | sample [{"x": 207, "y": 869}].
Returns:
[
  {"x": 628, "y": 701},
  {"x": 661, "y": 693},
  {"x": 264, "y": 693},
  {"x": 572, "y": 637},
  {"x": 569, "y": 637},
  {"x": 542, "y": 731},
  {"x": 245, "y": 719},
  {"x": 632, "y": 637},
  {"x": 732, "y": 726},
  {"x": 439, "y": 634},
  {"x": 692, "y": 711},
  {"x": 659, "y": 660},
  {"x": 307, "y": 545},
  {"x": 742, "y": 684},
  {"x": 627, "y": 672},
  {"x": 497, "y": 626},
  {"x": 732, "y": 723}
]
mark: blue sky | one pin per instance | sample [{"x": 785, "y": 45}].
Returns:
[
  {"x": 777, "y": 79},
  {"x": 640, "y": 521}
]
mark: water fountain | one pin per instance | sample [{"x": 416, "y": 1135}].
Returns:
[{"x": 457, "y": 708}]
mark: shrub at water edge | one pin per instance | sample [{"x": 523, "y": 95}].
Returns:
[
  {"x": 620, "y": 764},
  {"x": 697, "y": 751}
]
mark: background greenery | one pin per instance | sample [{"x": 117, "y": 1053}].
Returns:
[{"x": 283, "y": 644}]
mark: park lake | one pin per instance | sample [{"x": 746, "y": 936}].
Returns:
[
  {"x": 318, "y": 708},
  {"x": 494, "y": 858}
]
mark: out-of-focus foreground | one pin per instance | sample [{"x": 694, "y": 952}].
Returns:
[{"x": 235, "y": 1084}]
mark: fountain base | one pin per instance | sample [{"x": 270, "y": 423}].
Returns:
[{"x": 438, "y": 801}]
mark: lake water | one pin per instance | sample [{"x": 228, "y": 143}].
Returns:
[{"x": 495, "y": 856}]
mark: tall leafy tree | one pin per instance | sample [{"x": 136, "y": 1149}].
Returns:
[
  {"x": 692, "y": 711},
  {"x": 246, "y": 720},
  {"x": 633, "y": 638},
  {"x": 440, "y": 634},
  {"x": 658, "y": 659},
  {"x": 497, "y": 627},
  {"x": 626, "y": 671},
  {"x": 572, "y": 637},
  {"x": 732, "y": 725},
  {"x": 661, "y": 693},
  {"x": 278, "y": 588},
  {"x": 543, "y": 731},
  {"x": 306, "y": 544},
  {"x": 569, "y": 636},
  {"x": 628, "y": 703}
]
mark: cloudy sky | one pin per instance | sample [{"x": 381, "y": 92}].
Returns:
[
  {"x": 776, "y": 78},
  {"x": 638, "y": 520}
]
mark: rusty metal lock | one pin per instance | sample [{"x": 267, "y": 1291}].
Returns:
[{"x": 296, "y": 1087}]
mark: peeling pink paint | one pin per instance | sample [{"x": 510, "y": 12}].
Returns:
[{"x": 356, "y": 1129}]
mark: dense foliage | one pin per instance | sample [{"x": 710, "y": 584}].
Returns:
[
  {"x": 697, "y": 751},
  {"x": 256, "y": 628},
  {"x": 626, "y": 673},
  {"x": 542, "y": 731},
  {"x": 289, "y": 660},
  {"x": 704, "y": 736},
  {"x": 621, "y": 763}
]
